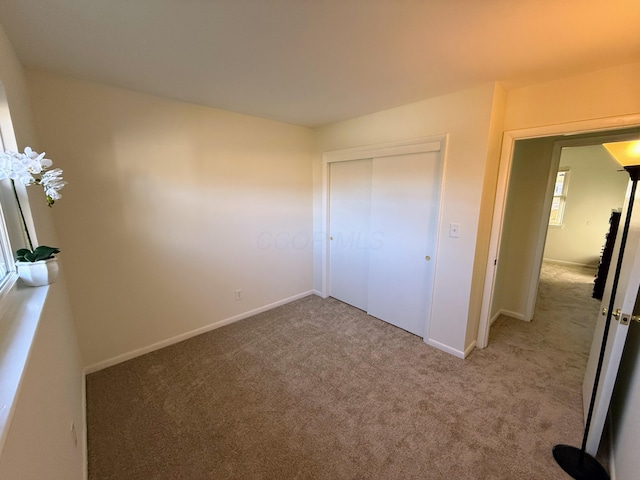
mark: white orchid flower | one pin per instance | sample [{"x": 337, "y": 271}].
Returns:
[
  {"x": 34, "y": 162},
  {"x": 52, "y": 182},
  {"x": 31, "y": 167}
]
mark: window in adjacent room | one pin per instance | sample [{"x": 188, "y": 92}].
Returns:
[{"x": 559, "y": 197}]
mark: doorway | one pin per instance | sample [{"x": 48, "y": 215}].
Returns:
[
  {"x": 518, "y": 249},
  {"x": 587, "y": 203}
]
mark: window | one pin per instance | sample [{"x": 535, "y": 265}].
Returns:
[
  {"x": 12, "y": 233},
  {"x": 559, "y": 197}
]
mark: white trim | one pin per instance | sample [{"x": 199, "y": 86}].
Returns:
[
  {"x": 504, "y": 174},
  {"x": 495, "y": 317},
  {"x": 317, "y": 293},
  {"x": 448, "y": 349},
  {"x": 388, "y": 149},
  {"x": 516, "y": 315},
  {"x": 324, "y": 246},
  {"x": 507, "y": 313},
  {"x": 506, "y": 157},
  {"x": 6, "y": 251},
  {"x": 573, "y": 128},
  {"x": 469, "y": 349},
  {"x": 184, "y": 336},
  {"x": 444, "y": 159}
]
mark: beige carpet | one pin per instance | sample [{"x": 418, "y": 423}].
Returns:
[{"x": 319, "y": 390}]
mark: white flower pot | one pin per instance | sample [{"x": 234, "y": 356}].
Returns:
[{"x": 36, "y": 274}]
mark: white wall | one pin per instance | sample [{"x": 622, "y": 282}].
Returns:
[
  {"x": 39, "y": 444},
  {"x": 595, "y": 95},
  {"x": 485, "y": 220},
  {"x": 170, "y": 208},
  {"x": 525, "y": 202},
  {"x": 472, "y": 120},
  {"x": 596, "y": 186}
]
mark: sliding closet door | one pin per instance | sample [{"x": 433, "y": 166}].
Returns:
[
  {"x": 404, "y": 209},
  {"x": 350, "y": 212}
]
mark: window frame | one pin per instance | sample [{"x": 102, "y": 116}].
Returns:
[{"x": 12, "y": 229}]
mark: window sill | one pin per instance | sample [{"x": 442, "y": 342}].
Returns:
[{"x": 20, "y": 311}]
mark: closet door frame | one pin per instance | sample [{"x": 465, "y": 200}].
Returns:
[{"x": 417, "y": 145}]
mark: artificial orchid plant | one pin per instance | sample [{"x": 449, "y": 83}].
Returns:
[{"x": 32, "y": 168}]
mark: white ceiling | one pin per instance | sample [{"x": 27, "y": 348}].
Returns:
[{"x": 313, "y": 62}]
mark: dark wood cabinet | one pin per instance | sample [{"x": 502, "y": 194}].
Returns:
[{"x": 605, "y": 257}]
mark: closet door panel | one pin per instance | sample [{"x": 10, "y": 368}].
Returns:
[
  {"x": 349, "y": 218},
  {"x": 404, "y": 209}
]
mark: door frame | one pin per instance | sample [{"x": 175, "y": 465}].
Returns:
[
  {"x": 417, "y": 145},
  {"x": 600, "y": 125}
]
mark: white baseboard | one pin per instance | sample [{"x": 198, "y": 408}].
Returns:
[
  {"x": 184, "y": 336},
  {"x": 509, "y": 313},
  {"x": 448, "y": 349},
  {"x": 495, "y": 317},
  {"x": 319, "y": 294},
  {"x": 469, "y": 349},
  {"x": 573, "y": 264}
]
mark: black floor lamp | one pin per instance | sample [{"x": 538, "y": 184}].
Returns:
[{"x": 576, "y": 461}]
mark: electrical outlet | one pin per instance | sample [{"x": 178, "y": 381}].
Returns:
[
  {"x": 238, "y": 294},
  {"x": 454, "y": 230}
]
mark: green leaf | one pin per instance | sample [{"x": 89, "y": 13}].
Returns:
[
  {"x": 43, "y": 252},
  {"x": 39, "y": 253},
  {"x": 21, "y": 254}
]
